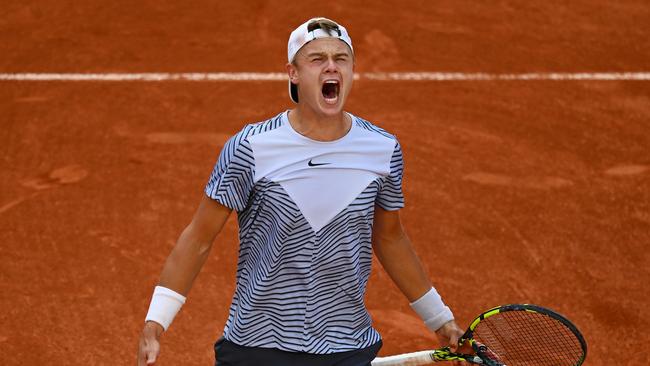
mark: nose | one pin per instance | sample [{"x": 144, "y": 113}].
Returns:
[{"x": 330, "y": 66}]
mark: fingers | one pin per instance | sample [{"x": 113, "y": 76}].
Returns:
[
  {"x": 145, "y": 359},
  {"x": 142, "y": 357},
  {"x": 453, "y": 341},
  {"x": 148, "y": 349},
  {"x": 147, "y": 355},
  {"x": 151, "y": 359},
  {"x": 151, "y": 352},
  {"x": 450, "y": 333}
]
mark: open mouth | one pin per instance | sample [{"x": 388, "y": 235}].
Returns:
[{"x": 331, "y": 91}]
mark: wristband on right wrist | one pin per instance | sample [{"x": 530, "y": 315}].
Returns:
[
  {"x": 432, "y": 310},
  {"x": 165, "y": 304}
]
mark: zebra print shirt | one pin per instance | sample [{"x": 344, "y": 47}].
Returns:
[{"x": 305, "y": 210}]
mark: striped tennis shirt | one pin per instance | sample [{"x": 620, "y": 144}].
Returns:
[{"x": 305, "y": 210}]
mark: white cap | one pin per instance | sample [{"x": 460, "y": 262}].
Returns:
[{"x": 305, "y": 34}]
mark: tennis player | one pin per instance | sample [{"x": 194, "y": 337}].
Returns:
[{"x": 317, "y": 190}]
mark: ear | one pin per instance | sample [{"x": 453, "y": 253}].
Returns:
[{"x": 292, "y": 71}]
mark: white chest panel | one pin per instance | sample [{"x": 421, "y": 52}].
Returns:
[{"x": 322, "y": 178}]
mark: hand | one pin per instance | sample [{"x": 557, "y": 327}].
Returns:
[
  {"x": 449, "y": 334},
  {"x": 149, "y": 345}
]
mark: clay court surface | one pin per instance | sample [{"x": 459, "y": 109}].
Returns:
[{"x": 516, "y": 191}]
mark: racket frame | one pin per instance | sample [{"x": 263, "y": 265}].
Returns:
[
  {"x": 477, "y": 347},
  {"x": 445, "y": 353}
]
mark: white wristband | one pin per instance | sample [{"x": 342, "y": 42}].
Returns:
[
  {"x": 432, "y": 310},
  {"x": 165, "y": 304}
]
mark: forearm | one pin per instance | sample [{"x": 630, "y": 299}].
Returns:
[
  {"x": 403, "y": 266},
  {"x": 185, "y": 261},
  {"x": 181, "y": 268}
]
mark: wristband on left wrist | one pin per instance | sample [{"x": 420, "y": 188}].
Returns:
[{"x": 432, "y": 310}]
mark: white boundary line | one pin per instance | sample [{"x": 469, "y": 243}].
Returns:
[
  {"x": 275, "y": 76},
  {"x": 443, "y": 76}
]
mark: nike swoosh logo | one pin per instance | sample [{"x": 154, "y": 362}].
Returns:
[{"x": 316, "y": 164}]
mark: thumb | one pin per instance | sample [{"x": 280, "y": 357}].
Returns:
[
  {"x": 152, "y": 354},
  {"x": 453, "y": 337},
  {"x": 151, "y": 357},
  {"x": 453, "y": 343}
]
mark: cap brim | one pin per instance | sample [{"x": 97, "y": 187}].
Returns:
[{"x": 293, "y": 91}]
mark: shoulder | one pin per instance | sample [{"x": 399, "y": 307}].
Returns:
[
  {"x": 240, "y": 140},
  {"x": 238, "y": 146},
  {"x": 252, "y": 129},
  {"x": 372, "y": 128},
  {"x": 376, "y": 131}
]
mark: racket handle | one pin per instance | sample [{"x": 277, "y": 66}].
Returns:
[
  {"x": 406, "y": 359},
  {"x": 425, "y": 358}
]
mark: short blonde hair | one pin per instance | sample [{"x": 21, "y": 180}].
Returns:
[{"x": 325, "y": 24}]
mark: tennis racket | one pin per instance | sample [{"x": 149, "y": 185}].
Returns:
[{"x": 509, "y": 335}]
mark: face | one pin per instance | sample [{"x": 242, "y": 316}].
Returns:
[{"x": 323, "y": 71}]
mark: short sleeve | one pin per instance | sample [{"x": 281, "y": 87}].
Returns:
[
  {"x": 231, "y": 181},
  {"x": 390, "y": 196}
]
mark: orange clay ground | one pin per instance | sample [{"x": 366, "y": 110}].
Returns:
[{"x": 516, "y": 191}]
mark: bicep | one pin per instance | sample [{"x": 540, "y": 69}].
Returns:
[
  {"x": 387, "y": 225},
  {"x": 209, "y": 219}
]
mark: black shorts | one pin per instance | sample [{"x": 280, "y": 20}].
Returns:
[{"x": 230, "y": 354}]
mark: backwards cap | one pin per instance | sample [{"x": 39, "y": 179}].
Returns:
[{"x": 307, "y": 32}]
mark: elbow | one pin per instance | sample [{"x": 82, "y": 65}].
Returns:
[
  {"x": 204, "y": 248},
  {"x": 196, "y": 241},
  {"x": 393, "y": 239},
  {"x": 190, "y": 247}
]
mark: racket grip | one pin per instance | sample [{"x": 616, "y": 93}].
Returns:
[{"x": 406, "y": 359}]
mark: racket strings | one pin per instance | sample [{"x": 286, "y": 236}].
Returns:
[
  {"x": 541, "y": 340},
  {"x": 529, "y": 338}
]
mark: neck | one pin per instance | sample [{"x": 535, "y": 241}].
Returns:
[{"x": 317, "y": 126}]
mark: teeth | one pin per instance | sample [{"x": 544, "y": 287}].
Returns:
[{"x": 331, "y": 91}]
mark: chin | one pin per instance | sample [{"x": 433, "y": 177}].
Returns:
[{"x": 330, "y": 111}]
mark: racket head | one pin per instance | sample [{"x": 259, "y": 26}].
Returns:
[{"x": 525, "y": 334}]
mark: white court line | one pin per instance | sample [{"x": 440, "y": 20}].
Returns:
[{"x": 276, "y": 76}]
